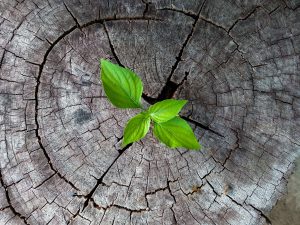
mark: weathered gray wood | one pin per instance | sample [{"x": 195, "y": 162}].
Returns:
[{"x": 60, "y": 156}]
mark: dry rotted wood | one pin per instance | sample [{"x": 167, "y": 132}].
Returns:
[{"x": 60, "y": 158}]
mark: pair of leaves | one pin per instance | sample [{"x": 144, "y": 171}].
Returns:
[{"x": 124, "y": 89}]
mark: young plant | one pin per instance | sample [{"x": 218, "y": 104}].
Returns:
[{"x": 124, "y": 89}]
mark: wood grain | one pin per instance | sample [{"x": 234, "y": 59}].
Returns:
[{"x": 60, "y": 157}]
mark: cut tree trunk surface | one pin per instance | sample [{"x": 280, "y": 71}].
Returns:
[{"x": 237, "y": 62}]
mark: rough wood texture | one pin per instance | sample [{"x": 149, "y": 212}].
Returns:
[{"x": 237, "y": 62}]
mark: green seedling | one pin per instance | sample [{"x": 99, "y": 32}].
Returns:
[{"x": 124, "y": 89}]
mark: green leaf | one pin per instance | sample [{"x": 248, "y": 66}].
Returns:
[
  {"x": 166, "y": 109},
  {"x": 122, "y": 86},
  {"x": 176, "y": 133},
  {"x": 136, "y": 128}
]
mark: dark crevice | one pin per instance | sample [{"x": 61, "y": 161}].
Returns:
[
  {"x": 112, "y": 47},
  {"x": 174, "y": 217},
  {"x": 119, "y": 139},
  {"x": 117, "y": 206},
  {"x": 170, "y": 87},
  {"x": 44, "y": 181},
  {"x": 155, "y": 191},
  {"x": 99, "y": 181},
  {"x": 9, "y": 201},
  {"x": 169, "y": 189},
  {"x": 213, "y": 189},
  {"x": 116, "y": 183},
  {"x": 163, "y": 189},
  {"x": 237, "y": 145},
  {"x": 284, "y": 102},
  {"x": 74, "y": 18},
  {"x": 168, "y": 90},
  {"x": 268, "y": 221},
  {"x": 244, "y": 18},
  {"x": 108, "y": 19},
  {"x": 187, "y": 13},
  {"x": 49, "y": 42},
  {"x": 213, "y": 23},
  {"x": 20, "y": 57},
  {"x": 2, "y": 58},
  {"x": 233, "y": 200},
  {"x": 149, "y": 99},
  {"x": 6, "y": 207},
  {"x": 272, "y": 11},
  {"x": 11, "y": 81},
  {"x": 206, "y": 175},
  {"x": 195, "y": 189},
  {"x": 73, "y": 217},
  {"x": 201, "y": 125},
  {"x": 146, "y": 7},
  {"x": 259, "y": 65}
]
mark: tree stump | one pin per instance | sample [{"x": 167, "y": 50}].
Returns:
[{"x": 237, "y": 62}]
